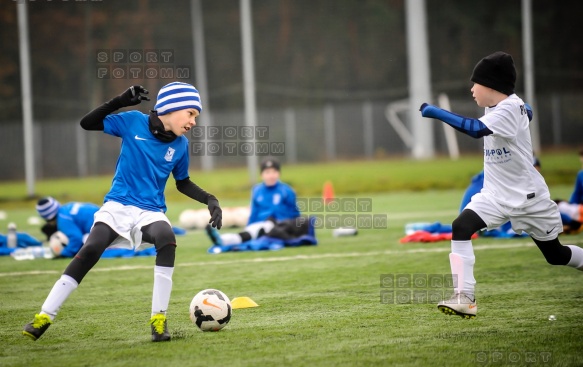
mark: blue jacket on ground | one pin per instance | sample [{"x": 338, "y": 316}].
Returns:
[{"x": 23, "y": 240}]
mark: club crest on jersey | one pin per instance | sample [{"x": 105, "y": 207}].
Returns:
[{"x": 169, "y": 154}]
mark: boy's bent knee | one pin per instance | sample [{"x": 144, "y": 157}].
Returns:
[
  {"x": 159, "y": 233},
  {"x": 162, "y": 236},
  {"x": 465, "y": 225}
]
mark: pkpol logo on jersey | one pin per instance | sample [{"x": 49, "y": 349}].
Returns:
[{"x": 496, "y": 152}]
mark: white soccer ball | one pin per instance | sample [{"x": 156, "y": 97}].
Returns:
[
  {"x": 228, "y": 219},
  {"x": 57, "y": 242},
  {"x": 202, "y": 218},
  {"x": 187, "y": 219},
  {"x": 194, "y": 219},
  {"x": 242, "y": 214},
  {"x": 210, "y": 310}
]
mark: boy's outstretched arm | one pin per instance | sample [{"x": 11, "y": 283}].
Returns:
[
  {"x": 470, "y": 126},
  {"x": 193, "y": 191},
  {"x": 132, "y": 96}
]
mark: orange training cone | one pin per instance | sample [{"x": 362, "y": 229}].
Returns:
[{"x": 328, "y": 192}]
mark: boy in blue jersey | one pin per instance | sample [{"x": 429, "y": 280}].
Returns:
[
  {"x": 73, "y": 219},
  {"x": 272, "y": 202},
  {"x": 513, "y": 189},
  {"x": 153, "y": 147}
]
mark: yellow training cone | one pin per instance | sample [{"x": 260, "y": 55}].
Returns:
[{"x": 243, "y": 302}]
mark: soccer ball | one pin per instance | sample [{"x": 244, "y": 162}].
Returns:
[
  {"x": 228, "y": 217},
  {"x": 242, "y": 214},
  {"x": 57, "y": 242},
  {"x": 194, "y": 219},
  {"x": 210, "y": 310}
]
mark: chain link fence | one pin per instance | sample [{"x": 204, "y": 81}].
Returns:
[{"x": 329, "y": 132}]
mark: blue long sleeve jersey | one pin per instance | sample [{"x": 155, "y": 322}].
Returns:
[
  {"x": 75, "y": 220},
  {"x": 469, "y": 126},
  {"x": 277, "y": 201},
  {"x": 144, "y": 162}
]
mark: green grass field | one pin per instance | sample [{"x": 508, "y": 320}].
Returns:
[{"x": 324, "y": 305}]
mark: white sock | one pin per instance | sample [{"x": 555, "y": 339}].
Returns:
[
  {"x": 255, "y": 228},
  {"x": 462, "y": 266},
  {"x": 58, "y": 295},
  {"x": 162, "y": 289},
  {"x": 576, "y": 257},
  {"x": 231, "y": 239}
]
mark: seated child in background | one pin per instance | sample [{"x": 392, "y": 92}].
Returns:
[{"x": 273, "y": 209}]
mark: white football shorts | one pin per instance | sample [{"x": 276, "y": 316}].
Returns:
[
  {"x": 127, "y": 221},
  {"x": 541, "y": 220}
]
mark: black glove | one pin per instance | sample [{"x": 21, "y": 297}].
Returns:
[
  {"x": 216, "y": 212},
  {"x": 132, "y": 96}
]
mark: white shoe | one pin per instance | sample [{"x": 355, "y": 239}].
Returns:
[{"x": 459, "y": 304}]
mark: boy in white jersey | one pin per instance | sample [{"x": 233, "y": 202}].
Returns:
[
  {"x": 153, "y": 147},
  {"x": 513, "y": 189}
]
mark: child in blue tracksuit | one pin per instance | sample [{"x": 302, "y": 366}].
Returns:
[
  {"x": 153, "y": 147},
  {"x": 272, "y": 201},
  {"x": 577, "y": 195},
  {"x": 73, "y": 219},
  {"x": 271, "y": 198}
]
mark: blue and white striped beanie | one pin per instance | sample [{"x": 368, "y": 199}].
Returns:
[
  {"x": 177, "y": 96},
  {"x": 48, "y": 208}
]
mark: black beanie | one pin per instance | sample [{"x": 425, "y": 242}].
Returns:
[
  {"x": 270, "y": 163},
  {"x": 496, "y": 71}
]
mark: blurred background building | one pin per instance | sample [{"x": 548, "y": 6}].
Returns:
[{"x": 326, "y": 72}]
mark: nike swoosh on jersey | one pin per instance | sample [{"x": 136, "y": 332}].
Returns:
[
  {"x": 550, "y": 230},
  {"x": 138, "y": 138}
]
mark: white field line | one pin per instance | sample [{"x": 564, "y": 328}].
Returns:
[
  {"x": 412, "y": 215},
  {"x": 282, "y": 258}
]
